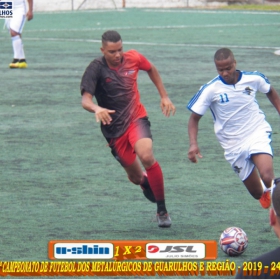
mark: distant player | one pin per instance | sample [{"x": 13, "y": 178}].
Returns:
[
  {"x": 239, "y": 124},
  {"x": 112, "y": 80},
  {"x": 15, "y": 26}
]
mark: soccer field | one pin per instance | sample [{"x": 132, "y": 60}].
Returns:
[{"x": 58, "y": 179}]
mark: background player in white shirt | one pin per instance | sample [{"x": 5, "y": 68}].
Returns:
[
  {"x": 15, "y": 26},
  {"x": 239, "y": 124}
]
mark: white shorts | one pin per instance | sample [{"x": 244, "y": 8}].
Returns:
[
  {"x": 240, "y": 158},
  {"x": 17, "y": 22}
]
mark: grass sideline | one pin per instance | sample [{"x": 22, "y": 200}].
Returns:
[{"x": 252, "y": 7}]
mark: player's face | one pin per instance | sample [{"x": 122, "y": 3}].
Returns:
[
  {"x": 113, "y": 53},
  {"x": 227, "y": 70}
]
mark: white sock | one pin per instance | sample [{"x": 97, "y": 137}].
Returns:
[
  {"x": 18, "y": 47},
  {"x": 265, "y": 189}
]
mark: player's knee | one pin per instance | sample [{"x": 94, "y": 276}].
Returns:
[
  {"x": 147, "y": 160},
  {"x": 14, "y": 33}
]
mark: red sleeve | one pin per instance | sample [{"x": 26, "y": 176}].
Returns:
[{"x": 144, "y": 63}]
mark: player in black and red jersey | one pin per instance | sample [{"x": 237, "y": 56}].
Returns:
[{"x": 112, "y": 80}]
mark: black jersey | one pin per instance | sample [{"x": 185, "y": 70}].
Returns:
[
  {"x": 270, "y": 266},
  {"x": 116, "y": 89}
]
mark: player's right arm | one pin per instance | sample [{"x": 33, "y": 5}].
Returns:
[
  {"x": 29, "y": 14},
  {"x": 194, "y": 151},
  {"x": 274, "y": 98},
  {"x": 101, "y": 114},
  {"x": 88, "y": 86}
]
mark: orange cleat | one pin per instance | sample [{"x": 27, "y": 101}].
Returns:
[{"x": 265, "y": 200}]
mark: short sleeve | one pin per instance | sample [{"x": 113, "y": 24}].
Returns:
[
  {"x": 90, "y": 78},
  {"x": 144, "y": 63},
  {"x": 200, "y": 101},
  {"x": 264, "y": 84}
]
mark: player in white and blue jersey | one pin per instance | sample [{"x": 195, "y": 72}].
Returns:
[
  {"x": 239, "y": 123},
  {"x": 15, "y": 26}
]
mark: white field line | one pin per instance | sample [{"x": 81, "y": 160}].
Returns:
[
  {"x": 211, "y": 11},
  {"x": 151, "y": 27},
  {"x": 152, "y": 44}
]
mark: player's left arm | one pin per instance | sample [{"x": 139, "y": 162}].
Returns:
[
  {"x": 166, "y": 104},
  {"x": 29, "y": 14},
  {"x": 274, "y": 98}
]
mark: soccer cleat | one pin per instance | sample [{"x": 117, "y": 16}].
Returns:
[
  {"x": 14, "y": 63},
  {"x": 18, "y": 64},
  {"x": 163, "y": 219},
  {"x": 265, "y": 199},
  {"x": 22, "y": 64}
]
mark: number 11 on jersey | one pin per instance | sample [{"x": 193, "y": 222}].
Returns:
[{"x": 224, "y": 98}]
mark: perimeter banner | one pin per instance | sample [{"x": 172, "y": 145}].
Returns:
[{"x": 133, "y": 249}]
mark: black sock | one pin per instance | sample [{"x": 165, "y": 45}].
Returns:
[
  {"x": 15, "y": 60},
  {"x": 22, "y": 60},
  {"x": 161, "y": 209},
  {"x": 145, "y": 184}
]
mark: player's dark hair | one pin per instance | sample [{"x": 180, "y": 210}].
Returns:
[
  {"x": 111, "y": 36},
  {"x": 223, "y": 53},
  {"x": 276, "y": 197}
]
